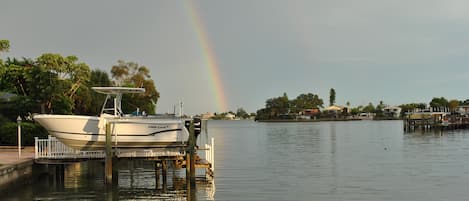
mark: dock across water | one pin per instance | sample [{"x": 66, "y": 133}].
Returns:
[{"x": 435, "y": 121}]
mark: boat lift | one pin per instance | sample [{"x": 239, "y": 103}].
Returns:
[{"x": 52, "y": 151}]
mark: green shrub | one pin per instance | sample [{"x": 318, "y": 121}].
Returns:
[{"x": 9, "y": 133}]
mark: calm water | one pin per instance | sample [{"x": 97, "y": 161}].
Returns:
[{"x": 362, "y": 160}]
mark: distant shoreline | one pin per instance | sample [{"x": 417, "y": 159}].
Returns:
[
  {"x": 324, "y": 119},
  {"x": 303, "y": 120}
]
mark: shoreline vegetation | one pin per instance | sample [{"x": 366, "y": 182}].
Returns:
[
  {"x": 324, "y": 120},
  {"x": 56, "y": 84},
  {"x": 310, "y": 107}
]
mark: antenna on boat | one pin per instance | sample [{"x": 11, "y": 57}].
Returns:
[{"x": 181, "y": 109}]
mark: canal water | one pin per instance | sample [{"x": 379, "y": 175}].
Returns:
[{"x": 356, "y": 160}]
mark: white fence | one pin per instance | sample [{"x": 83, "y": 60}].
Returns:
[
  {"x": 210, "y": 153},
  {"x": 51, "y": 148}
]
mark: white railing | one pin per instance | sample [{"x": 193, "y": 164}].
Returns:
[
  {"x": 51, "y": 148},
  {"x": 210, "y": 153}
]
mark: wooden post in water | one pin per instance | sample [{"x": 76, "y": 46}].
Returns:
[
  {"x": 190, "y": 156},
  {"x": 157, "y": 176},
  {"x": 108, "y": 160},
  {"x": 164, "y": 168},
  {"x": 190, "y": 163}
]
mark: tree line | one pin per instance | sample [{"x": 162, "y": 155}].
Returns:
[
  {"x": 278, "y": 107},
  {"x": 57, "y": 84},
  {"x": 283, "y": 108}
]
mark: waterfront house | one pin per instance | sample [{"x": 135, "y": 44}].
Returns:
[
  {"x": 392, "y": 111},
  {"x": 208, "y": 115},
  {"x": 463, "y": 109},
  {"x": 336, "y": 111},
  {"x": 230, "y": 116},
  {"x": 309, "y": 113},
  {"x": 366, "y": 116}
]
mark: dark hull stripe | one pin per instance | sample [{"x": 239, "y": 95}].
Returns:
[
  {"x": 154, "y": 133},
  {"x": 99, "y": 145}
]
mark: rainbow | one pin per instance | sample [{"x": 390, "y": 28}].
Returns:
[{"x": 209, "y": 56}]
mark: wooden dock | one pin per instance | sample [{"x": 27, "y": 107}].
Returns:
[
  {"x": 52, "y": 151},
  {"x": 426, "y": 121}
]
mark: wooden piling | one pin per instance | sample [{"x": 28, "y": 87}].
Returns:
[
  {"x": 164, "y": 168},
  {"x": 190, "y": 164},
  {"x": 190, "y": 155},
  {"x": 108, "y": 160},
  {"x": 157, "y": 176}
]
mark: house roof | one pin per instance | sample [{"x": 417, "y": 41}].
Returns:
[
  {"x": 391, "y": 107},
  {"x": 334, "y": 108}
]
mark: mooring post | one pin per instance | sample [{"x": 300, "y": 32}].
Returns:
[
  {"x": 188, "y": 156},
  {"x": 18, "y": 121},
  {"x": 190, "y": 164},
  {"x": 108, "y": 160},
  {"x": 164, "y": 168},
  {"x": 157, "y": 176},
  {"x": 192, "y": 151}
]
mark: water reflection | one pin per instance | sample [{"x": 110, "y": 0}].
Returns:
[
  {"x": 136, "y": 181},
  {"x": 362, "y": 160}
]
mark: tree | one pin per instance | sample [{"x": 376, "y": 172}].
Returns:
[
  {"x": 67, "y": 69},
  {"x": 132, "y": 75},
  {"x": 274, "y": 107},
  {"x": 369, "y": 108},
  {"x": 439, "y": 102},
  {"x": 98, "y": 78},
  {"x": 453, "y": 105},
  {"x": 240, "y": 112},
  {"x": 50, "y": 82},
  {"x": 379, "y": 109},
  {"x": 411, "y": 106},
  {"x": 34, "y": 85},
  {"x": 70, "y": 73},
  {"x": 129, "y": 73},
  {"x": 4, "y": 45},
  {"x": 331, "y": 97},
  {"x": 355, "y": 111},
  {"x": 306, "y": 101}
]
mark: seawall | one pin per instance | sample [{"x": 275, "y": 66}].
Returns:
[
  {"x": 15, "y": 171},
  {"x": 13, "y": 174}
]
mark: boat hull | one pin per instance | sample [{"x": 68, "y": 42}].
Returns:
[{"x": 89, "y": 133}]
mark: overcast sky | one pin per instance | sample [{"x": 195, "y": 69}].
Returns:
[{"x": 397, "y": 51}]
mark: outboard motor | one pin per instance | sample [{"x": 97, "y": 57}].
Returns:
[{"x": 197, "y": 126}]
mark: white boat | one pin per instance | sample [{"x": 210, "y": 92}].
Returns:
[{"x": 89, "y": 132}]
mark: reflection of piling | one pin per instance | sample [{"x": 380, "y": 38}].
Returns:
[{"x": 56, "y": 174}]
